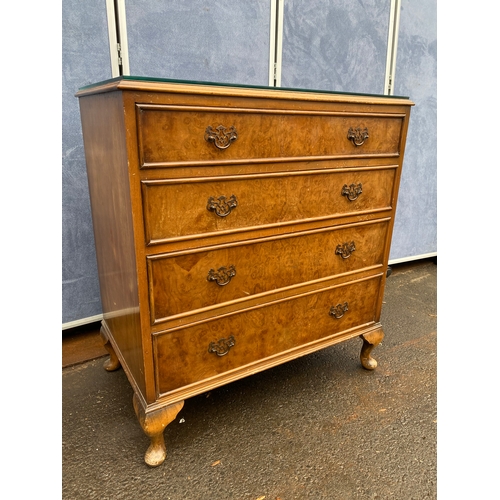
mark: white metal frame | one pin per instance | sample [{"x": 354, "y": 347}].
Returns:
[
  {"x": 117, "y": 34},
  {"x": 402, "y": 260},
  {"x": 276, "y": 42},
  {"x": 392, "y": 47},
  {"x": 112, "y": 36},
  {"x": 122, "y": 26},
  {"x": 83, "y": 321}
]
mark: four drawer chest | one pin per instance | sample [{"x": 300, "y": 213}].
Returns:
[{"x": 236, "y": 228}]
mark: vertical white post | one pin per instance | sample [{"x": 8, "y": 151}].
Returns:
[
  {"x": 117, "y": 34},
  {"x": 122, "y": 30},
  {"x": 392, "y": 47},
  {"x": 279, "y": 41},
  {"x": 276, "y": 42},
  {"x": 272, "y": 43},
  {"x": 113, "y": 39}
]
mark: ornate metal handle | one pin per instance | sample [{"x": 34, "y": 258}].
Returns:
[
  {"x": 358, "y": 136},
  {"x": 221, "y": 205},
  {"x": 339, "y": 310},
  {"x": 222, "y": 346},
  {"x": 222, "y": 137},
  {"x": 352, "y": 191},
  {"x": 345, "y": 250},
  {"x": 222, "y": 276}
]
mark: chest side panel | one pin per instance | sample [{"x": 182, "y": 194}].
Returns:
[{"x": 107, "y": 169}]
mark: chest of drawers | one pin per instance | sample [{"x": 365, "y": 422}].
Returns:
[{"x": 236, "y": 228}]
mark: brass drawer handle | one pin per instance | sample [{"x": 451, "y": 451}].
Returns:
[
  {"x": 357, "y": 136},
  {"x": 222, "y": 346},
  {"x": 339, "y": 310},
  {"x": 345, "y": 249},
  {"x": 221, "y": 136},
  {"x": 352, "y": 191},
  {"x": 221, "y": 205},
  {"x": 222, "y": 276}
]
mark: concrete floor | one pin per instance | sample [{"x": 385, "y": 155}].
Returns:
[{"x": 319, "y": 427}]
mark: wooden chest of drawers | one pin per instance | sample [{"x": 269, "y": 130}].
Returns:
[{"x": 236, "y": 228}]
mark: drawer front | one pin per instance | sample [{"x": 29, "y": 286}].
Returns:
[
  {"x": 180, "y": 134},
  {"x": 187, "y": 281},
  {"x": 190, "y": 208},
  {"x": 189, "y": 355}
]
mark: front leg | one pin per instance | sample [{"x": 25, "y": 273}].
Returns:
[
  {"x": 153, "y": 424},
  {"x": 370, "y": 341}
]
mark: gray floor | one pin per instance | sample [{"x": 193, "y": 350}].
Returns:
[{"x": 319, "y": 427}]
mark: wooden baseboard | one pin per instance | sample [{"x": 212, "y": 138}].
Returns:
[{"x": 81, "y": 344}]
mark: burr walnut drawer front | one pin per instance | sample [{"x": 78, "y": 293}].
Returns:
[
  {"x": 183, "y": 134},
  {"x": 189, "y": 208},
  {"x": 186, "y": 281},
  {"x": 214, "y": 347}
]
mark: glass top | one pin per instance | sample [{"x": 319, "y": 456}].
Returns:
[{"x": 218, "y": 84}]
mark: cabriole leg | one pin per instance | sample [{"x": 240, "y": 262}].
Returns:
[
  {"x": 153, "y": 424},
  {"x": 370, "y": 341},
  {"x": 112, "y": 363}
]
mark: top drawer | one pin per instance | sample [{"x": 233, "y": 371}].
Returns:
[{"x": 171, "y": 135}]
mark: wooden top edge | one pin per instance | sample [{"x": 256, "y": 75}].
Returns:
[{"x": 240, "y": 91}]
